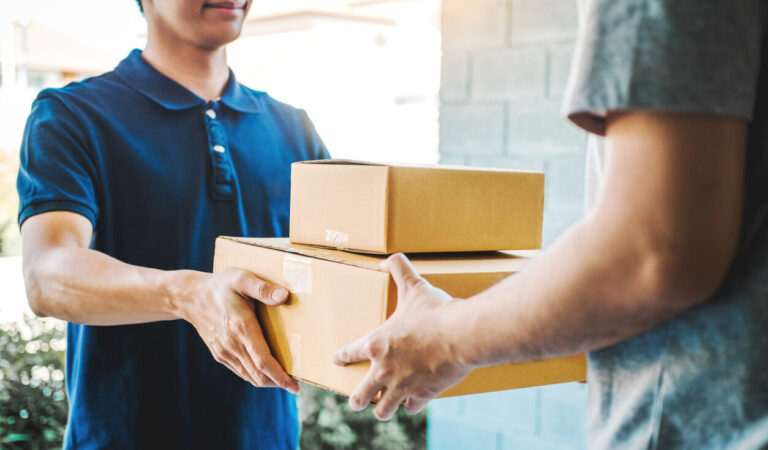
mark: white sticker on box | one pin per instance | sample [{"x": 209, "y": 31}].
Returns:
[
  {"x": 337, "y": 239},
  {"x": 294, "y": 343},
  {"x": 297, "y": 274}
]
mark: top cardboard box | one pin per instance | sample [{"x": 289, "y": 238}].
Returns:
[{"x": 390, "y": 208}]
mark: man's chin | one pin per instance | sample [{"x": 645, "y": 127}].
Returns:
[{"x": 217, "y": 39}]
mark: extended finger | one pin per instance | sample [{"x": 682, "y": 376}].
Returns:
[
  {"x": 262, "y": 380},
  {"x": 359, "y": 350},
  {"x": 387, "y": 406},
  {"x": 365, "y": 392},
  {"x": 234, "y": 364},
  {"x": 263, "y": 361},
  {"x": 402, "y": 272},
  {"x": 413, "y": 405}
]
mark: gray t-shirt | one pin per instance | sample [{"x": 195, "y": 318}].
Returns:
[{"x": 701, "y": 379}]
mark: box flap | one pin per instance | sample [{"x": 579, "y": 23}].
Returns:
[
  {"x": 425, "y": 263},
  {"x": 340, "y": 162},
  {"x": 353, "y": 162}
]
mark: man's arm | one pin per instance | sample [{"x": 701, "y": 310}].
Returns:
[
  {"x": 67, "y": 280},
  {"x": 660, "y": 240}
]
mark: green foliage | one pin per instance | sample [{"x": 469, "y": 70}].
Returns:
[
  {"x": 328, "y": 423},
  {"x": 33, "y": 404}
]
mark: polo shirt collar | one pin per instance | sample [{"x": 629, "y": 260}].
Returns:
[{"x": 138, "y": 74}]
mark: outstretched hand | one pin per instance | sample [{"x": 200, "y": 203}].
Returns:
[{"x": 412, "y": 354}]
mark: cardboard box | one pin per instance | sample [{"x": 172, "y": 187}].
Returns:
[
  {"x": 337, "y": 297},
  {"x": 388, "y": 208}
]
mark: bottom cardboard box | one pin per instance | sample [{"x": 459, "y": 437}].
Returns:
[{"x": 337, "y": 297}]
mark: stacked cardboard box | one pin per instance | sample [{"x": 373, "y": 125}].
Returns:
[{"x": 347, "y": 216}]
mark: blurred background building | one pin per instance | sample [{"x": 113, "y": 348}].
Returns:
[{"x": 475, "y": 82}]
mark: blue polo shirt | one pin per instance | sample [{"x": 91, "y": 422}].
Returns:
[{"x": 160, "y": 173}]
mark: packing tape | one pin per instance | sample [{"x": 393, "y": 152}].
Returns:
[
  {"x": 297, "y": 274},
  {"x": 294, "y": 344},
  {"x": 337, "y": 239}
]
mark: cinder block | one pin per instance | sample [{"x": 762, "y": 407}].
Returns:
[
  {"x": 508, "y": 162},
  {"x": 508, "y": 73},
  {"x": 505, "y": 411},
  {"x": 472, "y": 129},
  {"x": 471, "y": 24},
  {"x": 454, "y": 435},
  {"x": 565, "y": 182},
  {"x": 542, "y": 20},
  {"x": 559, "y": 63},
  {"x": 454, "y": 160},
  {"x": 536, "y": 127},
  {"x": 514, "y": 441},
  {"x": 454, "y": 76},
  {"x": 563, "y": 412},
  {"x": 555, "y": 222},
  {"x": 451, "y": 408}
]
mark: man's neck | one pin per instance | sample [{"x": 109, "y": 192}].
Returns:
[{"x": 202, "y": 71}]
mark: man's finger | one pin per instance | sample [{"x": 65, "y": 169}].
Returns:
[
  {"x": 353, "y": 352},
  {"x": 402, "y": 272},
  {"x": 236, "y": 366},
  {"x": 387, "y": 406},
  {"x": 245, "y": 359},
  {"x": 414, "y": 405},
  {"x": 254, "y": 287},
  {"x": 365, "y": 392},
  {"x": 257, "y": 350}
]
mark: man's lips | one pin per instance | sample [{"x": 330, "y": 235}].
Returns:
[{"x": 225, "y": 5}]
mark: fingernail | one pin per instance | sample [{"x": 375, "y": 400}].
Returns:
[{"x": 279, "y": 294}]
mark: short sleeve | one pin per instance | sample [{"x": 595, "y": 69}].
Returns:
[
  {"x": 315, "y": 145},
  {"x": 56, "y": 172},
  {"x": 695, "y": 56}
]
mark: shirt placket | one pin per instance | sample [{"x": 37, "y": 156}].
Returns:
[{"x": 222, "y": 175}]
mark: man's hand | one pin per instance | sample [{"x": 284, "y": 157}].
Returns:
[
  {"x": 411, "y": 357},
  {"x": 221, "y": 308},
  {"x": 68, "y": 280}
]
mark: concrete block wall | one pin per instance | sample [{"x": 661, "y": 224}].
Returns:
[{"x": 504, "y": 69}]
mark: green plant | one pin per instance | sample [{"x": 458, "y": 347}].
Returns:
[
  {"x": 33, "y": 404},
  {"x": 328, "y": 423}
]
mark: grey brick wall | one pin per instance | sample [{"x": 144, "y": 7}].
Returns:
[{"x": 504, "y": 70}]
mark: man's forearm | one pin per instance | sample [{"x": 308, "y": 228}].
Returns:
[
  {"x": 589, "y": 290},
  {"x": 88, "y": 287}
]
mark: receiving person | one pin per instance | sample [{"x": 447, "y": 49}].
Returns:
[{"x": 665, "y": 281}]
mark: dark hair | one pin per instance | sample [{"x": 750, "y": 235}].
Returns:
[{"x": 141, "y": 8}]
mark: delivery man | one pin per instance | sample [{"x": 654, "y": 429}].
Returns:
[
  {"x": 126, "y": 180},
  {"x": 665, "y": 281}
]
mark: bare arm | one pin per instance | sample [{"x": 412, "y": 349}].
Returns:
[
  {"x": 67, "y": 280},
  {"x": 662, "y": 236}
]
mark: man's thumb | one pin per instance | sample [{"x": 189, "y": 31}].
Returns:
[
  {"x": 258, "y": 289},
  {"x": 401, "y": 270}
]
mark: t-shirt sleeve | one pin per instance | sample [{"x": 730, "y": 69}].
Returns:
[
  {"x": 700, "y": 56},
  {"x": 56, "y": 171},
  {"x": 315, "y": 144}
]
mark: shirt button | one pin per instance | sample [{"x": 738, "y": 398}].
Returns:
[
  {"x": 211, "y": 113},
  {"x": 219, "y": 148}
]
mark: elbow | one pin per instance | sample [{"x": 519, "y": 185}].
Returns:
[
  {"x": 35, "y": 298},
  {"x": 677, "y": 282}
]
